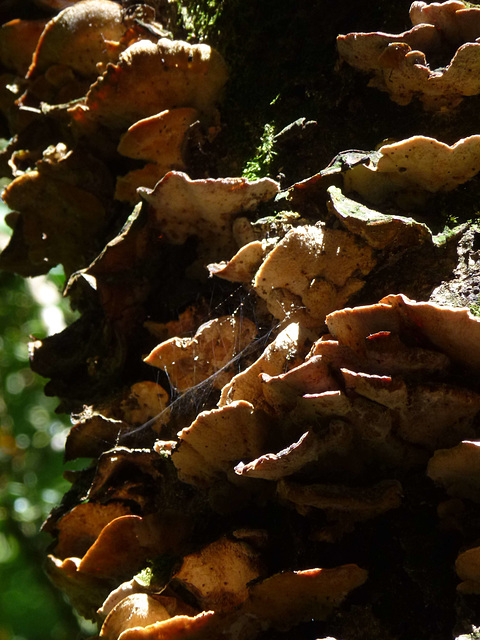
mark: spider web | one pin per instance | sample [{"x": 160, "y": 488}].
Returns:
[{"x": 184, "y": 406}]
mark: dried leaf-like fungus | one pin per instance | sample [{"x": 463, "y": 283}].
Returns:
[
  {"x": 399, "y": 62},
  {"x": 60, "y": 210}
]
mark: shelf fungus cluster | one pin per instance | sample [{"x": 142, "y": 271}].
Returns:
[
  {"x": 437, "y": 60},
  {"x": 81, "y": 141},
  {"x": 324, "y": 432},
  {"x": 261, "y": 412},
  {"x": 404, "y": 173}
]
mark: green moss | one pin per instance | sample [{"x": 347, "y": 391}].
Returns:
[
  {"x": 198, "y": 17},
  {"x": 158, "y": 571},
  {"x": 258, "y": 166}
]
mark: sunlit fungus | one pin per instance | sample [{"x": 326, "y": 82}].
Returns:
[
  {"x": 404, "y": 64},
  {"x": 275, "y": 429}
]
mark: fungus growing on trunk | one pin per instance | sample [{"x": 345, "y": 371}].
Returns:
[
  {"x": 418, "y": 164},
  {"x": 186, "y": 76},
  {"x": 189, "y": 361},
  {"x": 400, "y": 63},
  {"x": 159, "y": 140}
]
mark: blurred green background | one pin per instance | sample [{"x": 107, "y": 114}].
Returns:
[{"x": 31, "y": 461}]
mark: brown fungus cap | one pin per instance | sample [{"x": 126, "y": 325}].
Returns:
[
  {"x": 364, "y": 50},
  {"x": 361, "y": 503},
  {"x": 417, "y": 163},
  {"x": 160, "y": 140},
  {"x": 399, "y": 63},
  {"x": 135, "y": 610},
  {"x": 80, "y": 37},
  {"x": 458, "y": 470},
  {"x": 244, "y": 264},
  {"x": 79, "y": 528},
  {"x": 273, "y": 466},
  {"x": 126, "y": 543},
  {"x": 18, "y": 41},
  {"x": 453, "y": 19},
  {"x": 189, "y": 361},
  {"x": 311, "y": 377},
  {"x": 218, "y": 574},
  {"x": 143, "y": 401},
  {"x": 182, "y": 208},
  {"x": 216, "y": 440},
  {"x": 283, "y": 351},
  {"x": 438, "y": 415},
  {"x": 467, "y": 567},
  {"x": 453, "y": 331},
  {"x": 287, "y": 599},
  {"x": 430, "y": 415},
  {"x": 185, "y": 75},
  {"x": 384, "y": 232},
  {"x": 204, "y": 626},
  {"x": 311, "y": 272}
]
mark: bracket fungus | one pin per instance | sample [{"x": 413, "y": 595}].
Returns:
[
  {"x": 295, "y": 596},
  {"x": 183, "y": 207},
  {"x": 80, "y": 37},
  {"x": 159, "y": 140},
  {"x": 18, "y": 41},
  {"x": 186, "y": 76},
  {"x": 189, "y": 361},
  {"x": 457, "y": 470},
  {"x": 135, "y": 610},
  {"x": 399, "y": 62},
  {"x": 311, "y": 272},
  {"x": 467, "y": 567},
  {"x": 79, "y": 528},
  {"x": 218, "y": 575},
  {"x": 416, "y": 164},
  {"x": 243, "y": 486},
  {"x": 217, "y": 439}
]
